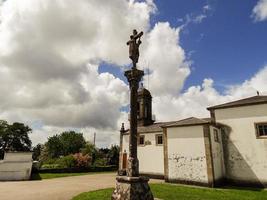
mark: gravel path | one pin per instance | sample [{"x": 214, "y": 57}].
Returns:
[{"x": 56, "y": 189}]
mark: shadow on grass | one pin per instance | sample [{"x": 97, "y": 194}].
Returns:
[{"x": 232, "y": 187}]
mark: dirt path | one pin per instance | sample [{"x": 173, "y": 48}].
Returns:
[{"x": 56, "y": 189}]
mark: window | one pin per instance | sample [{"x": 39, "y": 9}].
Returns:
[
  {"x": 141, "y": 140},
  {"x": 261, "y": 129},
  {"x": 159, "y": 139},
  {"x": 216, "y": 135}
]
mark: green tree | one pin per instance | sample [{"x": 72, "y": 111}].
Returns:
[
  {"x": 54, "y": 147},
  {"x": 91, "y": 150},
  {"x": 3, "y": 137},
  {"x": 14, "y": 137},
  {"x": 72, "y": 142},
  {"x": 37, "y": 151},
  {"x": 64, "y": 144},
  {"x": 113, "y": 155}
]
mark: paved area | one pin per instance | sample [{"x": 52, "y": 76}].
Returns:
[{"x": 56, "y": 189}]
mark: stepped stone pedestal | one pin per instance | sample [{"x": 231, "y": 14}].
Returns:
[{"x": 132, "y": 188}]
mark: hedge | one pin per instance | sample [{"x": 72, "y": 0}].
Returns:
[{"x": 78, "y": 170}]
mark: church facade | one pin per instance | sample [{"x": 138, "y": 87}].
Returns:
[{"x": 230, "y": 146}]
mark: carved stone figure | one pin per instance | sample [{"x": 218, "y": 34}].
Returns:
[{"x": 134, "y": 43}]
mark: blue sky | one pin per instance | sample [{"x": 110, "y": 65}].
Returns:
[{"x": 227, "y": 46}]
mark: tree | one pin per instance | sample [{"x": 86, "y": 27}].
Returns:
[
  {"x": 14, "y": 137},
  {"x": 113, "y": 155},
  {"x": 91, "y": 150},
  {"x": 64, "y": 144},
  {"x": 3, "y": 137},
  {"x": 37, "y": 151},
  {"x": 72, "y": 142},
  {"x": 54, "y": 147}
]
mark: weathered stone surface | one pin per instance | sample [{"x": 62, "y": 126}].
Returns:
[
  {"x": 132, "y": 188},
  {"x": 133, "y": 167}
]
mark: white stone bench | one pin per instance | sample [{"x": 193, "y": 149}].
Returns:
[{"x": 16, "y": 166}]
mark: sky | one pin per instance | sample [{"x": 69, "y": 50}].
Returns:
[{"x": 62, "y": 62}]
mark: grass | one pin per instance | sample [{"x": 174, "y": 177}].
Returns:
[
  {"x": 40, "y": 176},
  {"x": 177, "y": 192}
]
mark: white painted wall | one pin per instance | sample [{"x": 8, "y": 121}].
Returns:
[
  {"x": 16, "y": 166},
  {"x": 186, "y": 154},
  {"x": 151, "y": 157},
  {"x": 245, "y": 155},
  {"x": 217, "y": 154}
]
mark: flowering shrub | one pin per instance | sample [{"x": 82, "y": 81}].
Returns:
[{"x": 82, "y": 160}]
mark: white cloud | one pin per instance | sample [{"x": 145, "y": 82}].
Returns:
[
  {"x": 198, "y": 19},
  {"x": 259, "y": 12},
  {"x": 206, "y": 8},
  {"x": 166, "y": 58},
  {"x": 195, "y": 100},
  {"x": 50, "y": 52}
]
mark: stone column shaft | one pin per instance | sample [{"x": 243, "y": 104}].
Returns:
[{"x": 134, "y": 77}]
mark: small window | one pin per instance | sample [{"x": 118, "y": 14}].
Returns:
[
  {"x": 159, "y": 139},
  {"x": 141, "y": 140},
  {"x": 216, "y": 135},
  {"x": 261, "y": 129}
]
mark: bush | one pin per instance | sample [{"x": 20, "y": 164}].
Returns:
[
  {"x": 66, "y": 161},
  {"x": 100, "y": 162},
  {"x": 82, "y": 161},
  {"x": 78, "y": 170},
  {"x": 50, "y": 166}
]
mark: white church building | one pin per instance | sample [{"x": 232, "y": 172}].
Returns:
[{"x": 231, "y": 146}]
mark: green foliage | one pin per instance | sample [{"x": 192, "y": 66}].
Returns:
[
  {"x": 14, "y": 137},
  {"x": 50, "y": 166},
  {"x": 64, "y": 144},
  {"x": 37, "y": 151},
  {"x": 113, "y": 155},
  {"x": 54, "y": 147},
  {"x": 72, "y": 142},
  {"x": 100, "y": 162},
  {"x": 66, "y": 162},
  {"x": 91, "y": 150},
  {"x": 88, "y": 149}
]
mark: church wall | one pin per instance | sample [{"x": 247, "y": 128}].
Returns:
[
  {"x": 217, "y": 154},
  {"x": 186, "y": 155},
  {"x": 245, "y": 155},
  {"x": 150, "y": 155},
  {"x": 151, "y": 158}
]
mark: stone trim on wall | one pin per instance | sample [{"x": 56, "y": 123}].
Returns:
[
  {"x": 209, "y": 159},
  {"x": 165, "y": 152}
]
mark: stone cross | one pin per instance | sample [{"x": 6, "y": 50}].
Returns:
[
  {"x": 133, "y": 186},
  {"x": 134, "y": 43}
]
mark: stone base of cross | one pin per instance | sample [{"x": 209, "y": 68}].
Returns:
[{"x": 132, "y": 188}]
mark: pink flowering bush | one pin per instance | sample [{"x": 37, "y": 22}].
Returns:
[{"x": 82, "y": 160}]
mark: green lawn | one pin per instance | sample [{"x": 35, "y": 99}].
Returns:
[
  {"x": 175, "y": 192},
  {"x": 41, "y": 176}
]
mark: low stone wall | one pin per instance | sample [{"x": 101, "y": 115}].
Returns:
[{"x": 16, "y": 166}]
